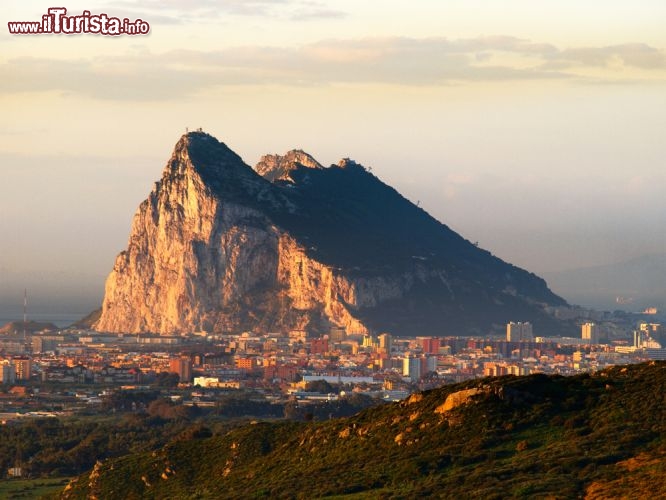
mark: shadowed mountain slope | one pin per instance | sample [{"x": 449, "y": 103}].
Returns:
[{"x": 218, "y": 247}]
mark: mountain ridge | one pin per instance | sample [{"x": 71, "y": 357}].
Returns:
[
  {"x": 638, "y": 281},
  {"x": 218, "y": 247}
]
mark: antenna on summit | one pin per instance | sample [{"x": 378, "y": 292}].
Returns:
[{"x": 25, "y": 314}]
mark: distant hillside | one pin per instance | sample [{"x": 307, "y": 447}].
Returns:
[
  {"x": 29, "y": 327},
  {"x": 639, "y": 283},
  {"x": 595, "y": 436},
  {"x": 89, "y": 320}
]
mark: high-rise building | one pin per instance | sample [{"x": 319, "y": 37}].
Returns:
[
  {"x": 411, "y": 367},
  {"x": 428, "y": 364},
  {"x": 519, "y": 332},
  {"x": 7, "y": 373},
  {"x": 369, "y": 341},
  {"x": 337, "y": 334},
  {"x": 430, "y": 345},
  {"x": 526, "y": 333},
  {"x": 319, "y": 346},
  {"x": 644, "y": 340},
  {"x": 183, "y": 367},
  {"x": 22, "y": 367},
  {"x": 590, "y": 332},
  {"x": 653, "y": 331},
  {"x": 247, "y": 363},
  {"x": 385, "y": 343}
]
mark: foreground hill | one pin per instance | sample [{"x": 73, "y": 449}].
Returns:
[
  {"x": 594, "y": 436},
  {"x": 219, "y": 247}
]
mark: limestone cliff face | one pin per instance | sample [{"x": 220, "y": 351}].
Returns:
[
  {"x": 218, "y": 247},
  {"x": 189, "y": 256},
  {"x": 312, "y": 285},
  {"x": 193, "y": 259}
]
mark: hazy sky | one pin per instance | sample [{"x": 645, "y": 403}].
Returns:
[{"x": 533, "y": 127}]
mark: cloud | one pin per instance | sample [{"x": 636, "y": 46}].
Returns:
[
  {"x": 144, "y": 82},
  {"x": 313, "y": 10},
  {"x": 633, "y": 55},
  {"x": 389, "y": 60},
  {"x": 204, "y": 10},
  {"x": 454, "y": 183}
]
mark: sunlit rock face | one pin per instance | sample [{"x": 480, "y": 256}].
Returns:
[
  {"x": 220, "y": 247},
  {"x": 279, "y": 167}
]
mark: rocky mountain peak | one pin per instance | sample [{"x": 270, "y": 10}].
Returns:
[
  {"x": 206, "y": 154},
  {"x": 200, "y": 155},
  {"x": 220, "y": 247},
  {"x": 279, "y": 167},
  {"x": 349, "y": 163}
]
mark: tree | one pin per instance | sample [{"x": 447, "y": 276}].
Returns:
[{"x": 167, "y": 410}]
